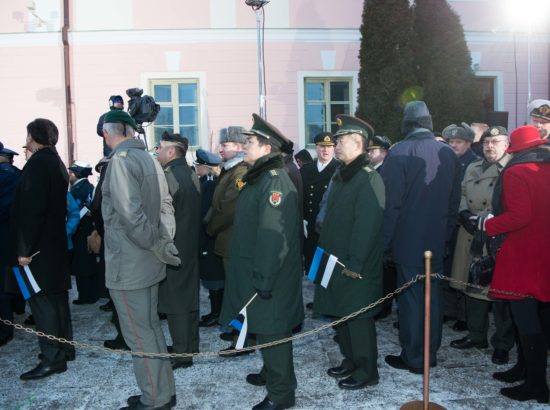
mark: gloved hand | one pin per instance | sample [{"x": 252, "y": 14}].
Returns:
[
  {"x": 264, "y": 294},
  {"x": 167, "y": 252},
  {"x": 480, "y": 221},
  {"x": 464, "y": 219}
]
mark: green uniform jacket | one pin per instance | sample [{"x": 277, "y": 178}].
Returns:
[
  {"x": 219, "y": 219},
  {"x": 179, "y": 292},
  {"x": 265, "y": 251},
  {"x": 352, "y": 231}
]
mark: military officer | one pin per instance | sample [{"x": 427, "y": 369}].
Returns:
[
  {"x": 219, "y": 219},
  {"x": 264, "y": 259},
  {"x": 477, "y": 192},
  {"x": 316, "y": 177},
  {"x": 352, "y": 231},
  {"x": 377, "y": 151},
  {"x": 9, "y": 175},
  {"x": 179, "y": 292}
]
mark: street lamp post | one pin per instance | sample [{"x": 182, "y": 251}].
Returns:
[{"x": 257, "y": 6}]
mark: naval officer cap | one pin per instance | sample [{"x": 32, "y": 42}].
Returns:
[
  {"x": 6, "y": 152},
  {"x": 540, "y": 109},
  {"x": 324, "y": 138},
  {"x": 81, "y": 169}
]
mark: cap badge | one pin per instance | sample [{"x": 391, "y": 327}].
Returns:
[
  {"x": 454, "y": 132},
  {"x": 326, "y": 139},
  {"x": 544, "y": 109},
  {"x": 338, "y": 122},
  {"x": 494, "y": 132},
  {"x": 275, "y": 198}
]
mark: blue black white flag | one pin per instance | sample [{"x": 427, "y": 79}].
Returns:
[
  {"x": 25, "y": 280},
  {"x": 322, "y": 267},
  {"x": 241, "y": 324}
]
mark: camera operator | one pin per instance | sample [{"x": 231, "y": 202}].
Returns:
[{"x": 115, "y": 103}]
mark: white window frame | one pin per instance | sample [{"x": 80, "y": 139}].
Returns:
[
  {"x": 327, "y": 75},
  {"x": 200, "y": 78}
]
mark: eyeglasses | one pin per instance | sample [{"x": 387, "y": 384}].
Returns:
[{"x": 491, "y": 142}]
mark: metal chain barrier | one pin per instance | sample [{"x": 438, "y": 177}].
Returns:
[{"x": 88, "y": 346}]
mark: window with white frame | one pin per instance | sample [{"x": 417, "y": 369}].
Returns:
[
  {"x": 324, "y": 99},
  {"x": 179, "y": 108}
]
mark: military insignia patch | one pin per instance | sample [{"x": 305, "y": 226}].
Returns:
[
  {"x": 494, "y": 132},
  {"x": 239, "y": 184},
  {"x": 275, "y": 198},
  {"x": 123, "y": 154},
  {"x": 545, "y": 109},
  {"x": 338, "y": 122}
]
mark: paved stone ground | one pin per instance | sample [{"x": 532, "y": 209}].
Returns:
[{"x": 462, "y": 380}]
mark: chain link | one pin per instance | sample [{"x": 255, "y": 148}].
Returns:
[{"x": 88, "y": 346}]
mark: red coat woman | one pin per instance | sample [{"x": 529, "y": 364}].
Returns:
[{"x": 523, "y": 261}]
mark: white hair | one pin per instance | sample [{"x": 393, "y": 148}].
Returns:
[{"x": 119, "y": 129}]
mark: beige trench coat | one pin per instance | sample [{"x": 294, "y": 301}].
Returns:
[{"x": 477, "y": 193}]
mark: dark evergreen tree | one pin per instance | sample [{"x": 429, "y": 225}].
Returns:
[
  {"x": 443, "y": 65},
  {"x": 386, "y": 75}
]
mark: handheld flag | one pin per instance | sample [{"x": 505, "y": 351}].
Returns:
[
  {"x": 25, "y": 280},
  {"x": 241, "y": 324},
  {"x": 322, "y": 267}
]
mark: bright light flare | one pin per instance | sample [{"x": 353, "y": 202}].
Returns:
[{"x": 528, "y": 15}]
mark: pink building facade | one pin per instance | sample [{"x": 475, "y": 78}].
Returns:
[{"x": 199, "y": 60}]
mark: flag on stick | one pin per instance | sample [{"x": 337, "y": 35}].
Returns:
[
  {"x": 241, "y": 324},
  {"x": 26, "y": 281},
  {"x": 322, "y": 267}
]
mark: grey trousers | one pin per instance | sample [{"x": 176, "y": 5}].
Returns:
[{"x": 140, "y": 325}]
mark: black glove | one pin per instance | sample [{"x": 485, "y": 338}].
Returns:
[
  {"x": 465, "y": 221},
  {"x": 264, "y": 294}
]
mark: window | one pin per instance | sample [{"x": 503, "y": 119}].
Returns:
[
  {"x": 486, "y": 85},
  {"x": 179, "y": 108},
  {"x": 324, "y": 99}
]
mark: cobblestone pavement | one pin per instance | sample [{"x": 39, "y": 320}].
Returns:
[{"x": 462, "y": 379}]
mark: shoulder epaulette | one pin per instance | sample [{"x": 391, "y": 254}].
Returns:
[
  {"x": 273, "y": 172},
  {"x": 122, "y": 154}
]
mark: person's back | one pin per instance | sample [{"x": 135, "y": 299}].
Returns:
[{"x": 421, "y": 179}]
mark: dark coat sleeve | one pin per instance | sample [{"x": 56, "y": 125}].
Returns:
[{"x": 393, "y": 174}]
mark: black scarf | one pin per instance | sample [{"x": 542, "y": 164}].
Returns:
[
  {"x": 262, "y": 165},
  {"x": 348, "y": 171}
]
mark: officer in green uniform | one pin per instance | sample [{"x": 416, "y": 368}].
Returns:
[
  {"x": 352, "y": 231},
  {"x": 264, "y": 258}
]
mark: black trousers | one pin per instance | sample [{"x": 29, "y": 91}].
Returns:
[
  {"x": 52, "y": 316},
  {"x": 530, "y": 316}
]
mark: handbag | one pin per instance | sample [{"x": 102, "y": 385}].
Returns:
[{"x": 481, "y": 270}]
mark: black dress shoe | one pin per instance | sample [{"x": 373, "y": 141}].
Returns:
[
  {"x": 267, "y": 404},
  {"x": 107, "y": 307},
  {"x": 397, "y": 363},
  {"x": 181, "y": 364},
  {"x": 350, "y": 383},
  {"x": 162, "y": 316},
  {"x": 297, "y": 329},
  {"x": 5, "y": 340},
  {"x": 209, "y": 320},
  {"x": 255, "y": 379},
  {"x": 460, "y": 326},
  {"x": 235, "y": 354},
  {"x": 41, "y": 371},
  {"x": 134, "y": 400},
  {"x": 228, "y": 336},
  {"x": 500, "y": 356},
  {"x": 513, "y": 375},
  {"x": 339, "y": 371},
  {"x": 116, "y": 344},
  {"x": 467, "y": 343}
]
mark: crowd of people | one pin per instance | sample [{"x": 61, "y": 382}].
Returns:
[{"x": 249, "y": 223}]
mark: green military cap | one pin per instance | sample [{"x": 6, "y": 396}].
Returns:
[
  {"x": 352, "y": 125},
  {"x": 494, "y": 131},
  {"x": 263, "y": 129},
  {"x": 120, "y": 116}
]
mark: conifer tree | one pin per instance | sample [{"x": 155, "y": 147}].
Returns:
[
  {"x": 443, "y": 65},
  {"x": 386, "y": 64}
]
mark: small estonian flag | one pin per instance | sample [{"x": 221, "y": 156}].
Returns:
[
  {"x": 322, "y": 267},
  {"x": 241, "y": 324},
  {"x": 26, "y": 281}
]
